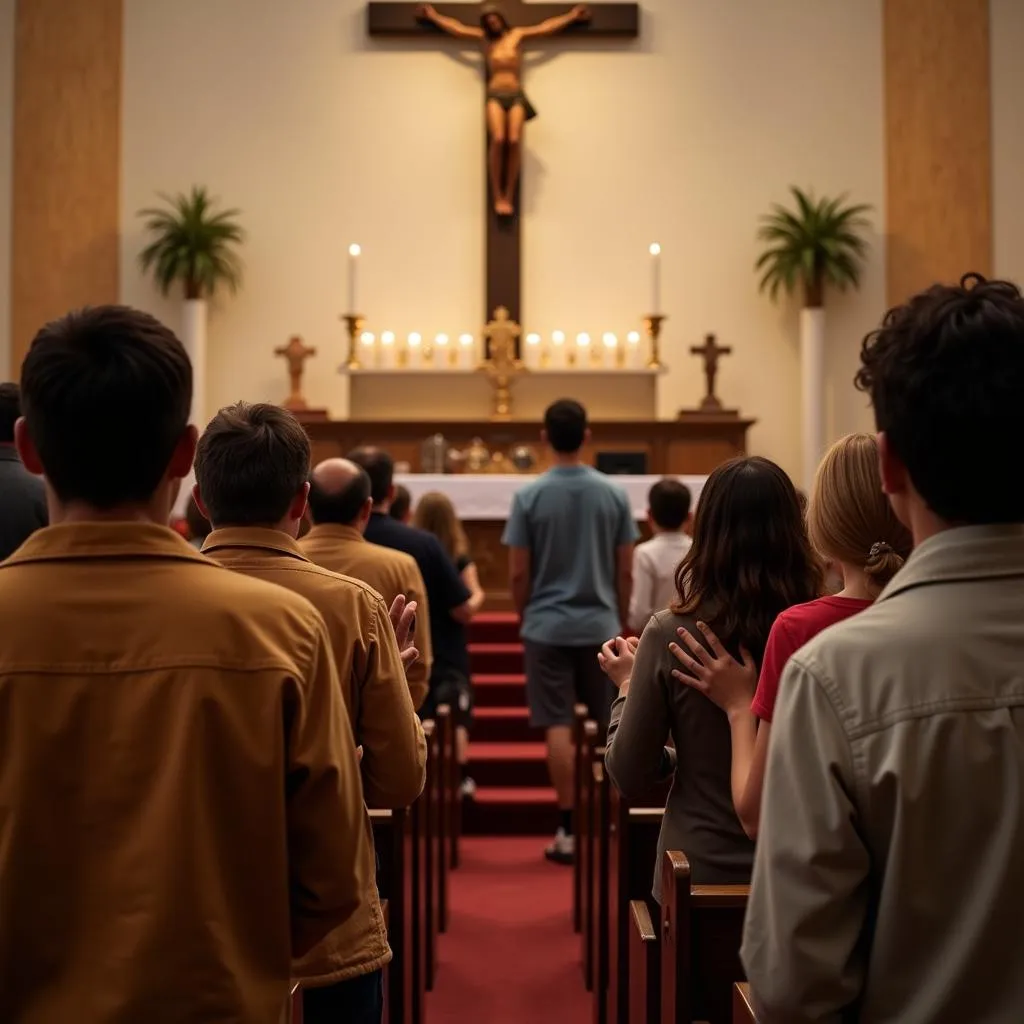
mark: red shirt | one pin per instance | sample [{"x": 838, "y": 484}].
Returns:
[{"x": 790, "y": 631}]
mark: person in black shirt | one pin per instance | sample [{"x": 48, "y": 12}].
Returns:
[
  {"x": 450, "y": 601},
  {"x": 22, "y": 495},
  {"x": 450, "y": 679}
]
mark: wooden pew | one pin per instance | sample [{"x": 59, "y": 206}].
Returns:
[
  {"x": 446, "y": 810},
  {"x": 644, "y": 966},
  {"x": 633, "y": 859},
  {"x": 701, "y": 930},
  {"x": 399, "y": 862},
  {"x": 586, "y": 838},
  {"x": 742, "y": 1004},
  {"x": 453, "y": 783},
  {"x": 579, "y": 789},
  {"x": 432, "y": 854},
  {"x": 600, "y": 889}
]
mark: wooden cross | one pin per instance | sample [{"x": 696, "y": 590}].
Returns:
[
  {"x": 392, "y": 19},
  {"x": 711, "y": 352},
  {"x": 296, "y": 353}
]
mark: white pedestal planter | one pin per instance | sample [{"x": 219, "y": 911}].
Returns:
[
  {"x": 812, "y": 392},
  {"x": 193, "y": 337}
]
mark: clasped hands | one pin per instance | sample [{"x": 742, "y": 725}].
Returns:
[{"x": 711, "y": 669}]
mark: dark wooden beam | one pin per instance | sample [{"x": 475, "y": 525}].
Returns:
[
  {"x": 615, "y": 20},
  {"x": 392, "y": 19}
]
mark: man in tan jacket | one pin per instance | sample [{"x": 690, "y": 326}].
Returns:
[
  {"x": 251, "y": 471},
  {"x": 180, "y": 807},
  {"x": 340, "y": 506},
  {"x": 889, "y": 872}
]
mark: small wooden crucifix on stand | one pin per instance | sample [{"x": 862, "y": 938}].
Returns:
[
  {"x": 501, "y": 29},
  {"x": 296, "y": 353},
  {"x": 711, "y": 352}
]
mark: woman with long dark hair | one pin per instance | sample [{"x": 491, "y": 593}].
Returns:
[{"x": 750, "y": 560}]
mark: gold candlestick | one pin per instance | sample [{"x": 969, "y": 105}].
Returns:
[
  {"x": 652, "y": 327},
  {"x": 354, "y": 324}
]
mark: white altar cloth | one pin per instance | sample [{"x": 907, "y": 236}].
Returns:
[{"x": 490, "y": 497}]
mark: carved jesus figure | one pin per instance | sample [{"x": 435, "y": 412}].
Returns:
[{"x": 508, "y": 109}]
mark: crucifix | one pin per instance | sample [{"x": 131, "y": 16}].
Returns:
[
  {"x": 501, "y": 30},
  {"x": 295, "y": 353},
  {"x": 711, "y": 352}
]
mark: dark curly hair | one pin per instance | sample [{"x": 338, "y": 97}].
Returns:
[
  {"x": 945, "y": 373},
  {"x": 751, "y": 558}
]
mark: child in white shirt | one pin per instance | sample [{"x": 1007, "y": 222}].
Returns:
[{"x": 655, "y": 561}]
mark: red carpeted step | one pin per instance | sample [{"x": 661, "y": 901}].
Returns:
[
  {"x": 503, "y": 725},
  {"x": 502, "y": 690},
  {"x": 494, "y": 628},
  {"x": 503, "y": 812},
  {"x": 509, "y": 764},
  {"x": 488, "y": 659}
]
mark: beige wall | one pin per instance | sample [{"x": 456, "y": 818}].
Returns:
[
  {"x": 322, "y": 137},
  {"x": 1007, "y": 17},
  {"x": 6, "y": 164}
]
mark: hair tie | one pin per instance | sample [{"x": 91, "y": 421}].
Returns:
[{"x": 880, "y": 548}]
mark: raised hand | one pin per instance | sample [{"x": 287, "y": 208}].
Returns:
[
  {"x": 616, "y": 660},
  {"x": 403, "y": 619},
  {"x": 425, "y": 12},
  {"x": 716, "y": 674},
  {"x": 581, "y": 12}
]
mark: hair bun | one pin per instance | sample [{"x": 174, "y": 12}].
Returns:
[{"x": 880, "y": 549}]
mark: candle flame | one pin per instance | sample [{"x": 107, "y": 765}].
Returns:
[
  {"x": 354, "y": 250},
  {"x": 655, "y": 249}
]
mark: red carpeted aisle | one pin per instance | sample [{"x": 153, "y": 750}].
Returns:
[{"x": 510, "y": 955}]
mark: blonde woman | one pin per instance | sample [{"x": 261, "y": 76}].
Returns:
[
  {"x": 854, "y": 529},
  {"x": 449, "y": 678}
]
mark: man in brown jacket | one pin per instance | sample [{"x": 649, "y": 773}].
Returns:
[
  {"x": 180, "y": 807},
  {"x": 340, "y": 505},
  {"x": 252, "y": 466}
]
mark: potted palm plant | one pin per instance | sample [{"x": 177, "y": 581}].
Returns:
[
  {"x": 817, "y": 245},
  {"x": 192, "y": 245}
]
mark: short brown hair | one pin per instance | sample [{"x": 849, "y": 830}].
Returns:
[
  {"x": 251, "y": 462},
  {"x": 106, "y": 393},
  {"x": 849, "y": 519}
]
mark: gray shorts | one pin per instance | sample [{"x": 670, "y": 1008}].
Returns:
[{"x": 558, "y": 678}]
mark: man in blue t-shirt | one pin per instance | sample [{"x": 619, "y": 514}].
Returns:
[{"x": 570, "y": 536}]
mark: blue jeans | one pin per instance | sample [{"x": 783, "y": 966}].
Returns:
[{"x": 356, "y": 1001}]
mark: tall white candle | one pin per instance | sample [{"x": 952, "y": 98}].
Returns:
[
  {"x": 531, "y": 355},
  {"x": 655, "y": 278},
  {"x": 466, "y": 345},
  {"x": 353, "y": 275},
  {"x": 386, "y": 358},
  {"x": 633, "y": 360},
  {"x": 441, "y": 350},
  {"x": 582, "y": 350},
  {"x": 558, "y": 349},
  {"x": 415, "y": 349},
  {"x": 611, "y": 348}
]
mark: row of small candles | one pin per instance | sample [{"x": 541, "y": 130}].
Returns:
[{"x": 388, "y": 352}]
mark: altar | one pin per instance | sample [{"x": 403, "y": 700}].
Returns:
[
  {"x": 483, "y": 503},
  {"x": 485, "y": 498}
]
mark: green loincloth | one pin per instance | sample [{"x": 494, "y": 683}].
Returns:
[{"x": 513, "y": 98}]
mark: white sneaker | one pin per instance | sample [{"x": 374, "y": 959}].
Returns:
[
  {"x": 563, "y": 849},
  {"x": 468, "y": 788}
]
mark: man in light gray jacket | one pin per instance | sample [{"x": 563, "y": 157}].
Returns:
[{"x": 889, "y": 876}]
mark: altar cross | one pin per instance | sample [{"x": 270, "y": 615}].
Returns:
[
  {"x": 393, "y": 19},
  {"x": 711, "y": 352}
]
